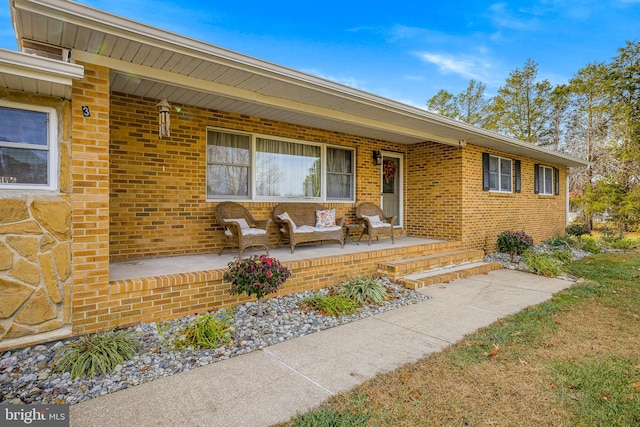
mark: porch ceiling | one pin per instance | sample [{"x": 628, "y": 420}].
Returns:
[{"x": 152, "y": 63}]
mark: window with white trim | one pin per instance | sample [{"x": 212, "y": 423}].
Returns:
[
  {"x": 260, "y": 167},
  {"x": 498, "y": 174},
  {"x": 546, "y": 180},
  {"x": 28, "y": 147}
]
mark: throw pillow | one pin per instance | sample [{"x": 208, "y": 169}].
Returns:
[
  {"x": 326, "y": 218},
  {"x": 285, "y": 217}
]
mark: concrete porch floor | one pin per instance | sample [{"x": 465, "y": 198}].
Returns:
[{"x": 146, "y": 267}]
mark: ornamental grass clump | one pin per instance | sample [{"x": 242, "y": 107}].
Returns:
[
  {"x": 364, "y": 290},
  {"x": 209, "y": 330},
  {"x": 332, "y": 305},
  {"x": 257, "y": 275},
  {"x": 514, "y": 242},
  {"x": 97, "y": 353}
]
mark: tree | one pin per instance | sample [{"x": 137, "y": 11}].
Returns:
[
  {"x": 444, "y": 103},
  {"x": 588, "y": 129},
  {"x": 469, "y": 106},
  {"x": 522, "y": 108},
  {"x": 472, "y": 104}
]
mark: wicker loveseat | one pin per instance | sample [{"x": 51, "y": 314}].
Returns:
[
  {"x": 240, "y": 228},
  {"x": 297, "y": 223}
]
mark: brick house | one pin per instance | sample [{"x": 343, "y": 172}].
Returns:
[{"x": 96, "y": 183}]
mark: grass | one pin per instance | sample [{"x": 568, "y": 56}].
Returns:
[{"x": 571, "y": 361}]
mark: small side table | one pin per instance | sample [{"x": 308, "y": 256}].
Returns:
[{"x": 347, "y": 231}]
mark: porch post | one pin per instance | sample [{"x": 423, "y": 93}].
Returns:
[{"x": 90, "y": 199}]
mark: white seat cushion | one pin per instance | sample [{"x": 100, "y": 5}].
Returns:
[
  {"x": 241, "y": 222},
  {"x": 306, "y": 229},
  {"x": 253, "y": 231},
  {"x": 380, "y": 225}
]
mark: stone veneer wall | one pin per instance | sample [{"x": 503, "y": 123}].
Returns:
[{"x": 35, "y": 244}]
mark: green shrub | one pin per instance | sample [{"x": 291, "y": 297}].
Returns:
[
  {"x": 514, "y": 242},
  {"x": 589, "y": 244},
  {"x": 332, "y": 305},
  {"x": 97, "y": 353},
  {"x": 577, "y": 229},
  {"x": 364, "y": 290},
  {"x": 611, "y": 236},
  {"x": 626, "y": 244},
  {"x": 543, "y": 264},
  {"x": 209, "y": 330}
]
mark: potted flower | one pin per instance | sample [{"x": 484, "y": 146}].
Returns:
[{"x": 259, "y": 275}]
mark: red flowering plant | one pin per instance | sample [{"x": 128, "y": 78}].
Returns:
[
  {"x": 514, "y": 242},
  {"x": 259, "y": 275}
]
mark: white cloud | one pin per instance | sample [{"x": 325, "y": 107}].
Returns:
[{"x": 467, "y": 66}]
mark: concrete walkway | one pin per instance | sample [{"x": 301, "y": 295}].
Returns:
[{"x": 270, "y": 386}]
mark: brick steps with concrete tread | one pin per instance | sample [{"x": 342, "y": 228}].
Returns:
[
  {"x": 452, "y": 262},
  {"x": 447, "y": 274},
  {"x": 400, "y": 268}
]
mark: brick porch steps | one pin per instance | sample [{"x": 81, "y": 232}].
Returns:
[
  {"x": 450, "y": 263},
  {"x": 396, "y": 269},
  {"x": 447, "y": 274}
]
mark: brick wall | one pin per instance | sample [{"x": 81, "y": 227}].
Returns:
[
  {"x": 433, "y": 203},
  {"x": 158, "y": 203},
  {"x": 90, "y": 199},
  {"x": 445, "y": 199},
  {"x": 485, "y": 214}
]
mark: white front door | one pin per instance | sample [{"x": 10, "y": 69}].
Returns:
[{"x": 391, "y": 191}]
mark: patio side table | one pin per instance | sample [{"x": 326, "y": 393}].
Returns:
[{"x": 347, "y": 231}]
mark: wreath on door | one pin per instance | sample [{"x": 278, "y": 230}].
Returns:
[{"x": 389, "y": 170}]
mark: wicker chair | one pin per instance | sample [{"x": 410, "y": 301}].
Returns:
[
  {"x": 384, "y": 227},
  {"x": 300, "y": 226},
  {"x": 240, "y": 228}
]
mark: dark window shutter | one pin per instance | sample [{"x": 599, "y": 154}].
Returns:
[
  {"x": 517, "y": 172},
  {"x": 485, "y": 171},
  {"x": 536, "y": 178},
  {"x": 556, "y": 180}
]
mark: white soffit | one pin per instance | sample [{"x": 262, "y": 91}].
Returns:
[
  {"x": 149, "y": 62},
  {"x": 35, "y": 74}
]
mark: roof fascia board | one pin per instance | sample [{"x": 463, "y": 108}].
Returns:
[{"x": 173, "y": 79}]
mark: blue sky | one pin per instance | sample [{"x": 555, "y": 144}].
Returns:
[{"x": 405, "y": 51}]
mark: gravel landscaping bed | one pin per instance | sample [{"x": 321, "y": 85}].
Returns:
[{"x": 26, "y": 375}]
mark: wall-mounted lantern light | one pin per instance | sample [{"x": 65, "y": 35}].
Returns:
[
  {"x": 377, "y": 157},
  {"x": 164, "y": 119}
]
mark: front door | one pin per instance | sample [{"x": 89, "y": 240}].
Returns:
[{"x": 391, "y": 190}]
